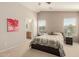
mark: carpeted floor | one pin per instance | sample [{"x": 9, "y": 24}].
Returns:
[
  {"x": 23, "y": 50},
  {"x": 70, "y": 51}
]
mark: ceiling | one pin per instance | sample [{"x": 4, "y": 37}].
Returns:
[{"x": 54, "y": 6}]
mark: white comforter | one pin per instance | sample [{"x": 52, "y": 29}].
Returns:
[
  {"x": 55, "y": 41},
  {"x": 55, "y": 38}
]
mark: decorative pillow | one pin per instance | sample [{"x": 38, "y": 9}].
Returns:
[
  {"x": 52, "y": 33},
  {"x": 58, "y": 33},
  {"x": 45, "y": 34}
]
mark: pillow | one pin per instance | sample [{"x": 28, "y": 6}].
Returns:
[
  {"x": 42, "y": 34},
  {"x": 58, "y": 33},
  {"x": 45, "y": 34},
  {"x": 52, "y": 33}
]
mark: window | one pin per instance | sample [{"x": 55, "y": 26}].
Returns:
[
  {"x": 70, "y": 26},
  {"x": 41, "y": 26}
]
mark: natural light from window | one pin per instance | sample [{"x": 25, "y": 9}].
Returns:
[
  {"x": 41, "y": 26},
  {"x": 70, "y": 26}
]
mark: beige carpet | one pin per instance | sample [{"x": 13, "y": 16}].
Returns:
[
  {"x": 23, "y": 50},
  {"x": 70, "y": 51},
  {"x": 35, "y": 53}
]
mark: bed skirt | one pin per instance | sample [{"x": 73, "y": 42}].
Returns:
[{"x": 46, "y": 49}]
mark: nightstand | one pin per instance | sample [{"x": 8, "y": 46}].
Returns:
[
  {"x": 69, "y": 40},
  {"x": 29, "y": 34}
]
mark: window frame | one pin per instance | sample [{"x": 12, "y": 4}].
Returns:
[
  {"x": 43, "y": 25},
  {"x": 75, "y": 24}
]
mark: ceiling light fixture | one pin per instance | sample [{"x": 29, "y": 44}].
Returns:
[
  {"x": 39, "y": 3},
  {"x": 45, "y": 2},
  {"x": 48, "y": 5},
  {"x": 48, "y": 2}
]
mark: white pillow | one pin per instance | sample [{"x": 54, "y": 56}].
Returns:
[
  {"x": 58, "y": 33},
  {"x": 45, "y": 34}
]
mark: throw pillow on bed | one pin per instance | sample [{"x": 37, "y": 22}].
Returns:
[{"x": 52, "y": 33}]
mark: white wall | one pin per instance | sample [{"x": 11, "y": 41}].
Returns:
[
  {"x": 78, "y": 27},
  {"x": 55, "y": 20},
  {"x": 14, "y": 10}
]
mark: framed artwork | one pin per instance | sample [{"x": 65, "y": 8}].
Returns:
[
  {"x": 12, "y": 25},
  {"x": 26, "y": 26}
]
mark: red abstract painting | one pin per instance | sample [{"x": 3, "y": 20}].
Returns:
[{"x": 12, "y": 25}]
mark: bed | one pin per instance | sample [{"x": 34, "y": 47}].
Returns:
[{"x": 49, "y": 43}]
